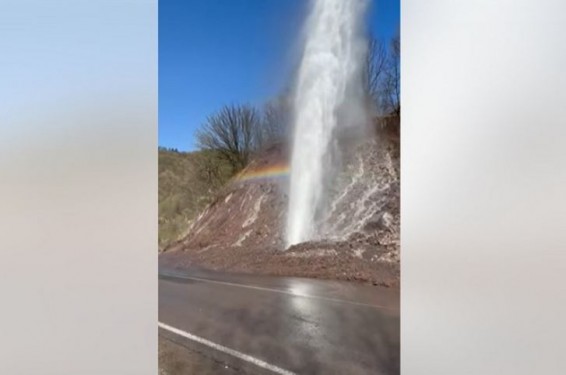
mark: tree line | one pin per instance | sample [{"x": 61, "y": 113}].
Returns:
[{"x": 233, "y": 133}]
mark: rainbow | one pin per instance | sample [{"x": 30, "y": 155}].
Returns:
[{"x": 267, "y": 172}]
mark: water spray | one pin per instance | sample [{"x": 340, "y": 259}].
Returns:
[{"x": 328, "y": 98}]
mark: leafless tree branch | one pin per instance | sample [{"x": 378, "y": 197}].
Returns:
[{"x": 234, "y": 131}]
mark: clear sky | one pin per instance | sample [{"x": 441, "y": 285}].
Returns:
[{"x": 217, "y": 52}]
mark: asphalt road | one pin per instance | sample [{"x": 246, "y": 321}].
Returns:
[{"x": 226, "y": 323}]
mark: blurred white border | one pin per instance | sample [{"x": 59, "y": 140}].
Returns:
[
  {"x": 483, "y": 187},
  {"x": 78, "y": 189}
]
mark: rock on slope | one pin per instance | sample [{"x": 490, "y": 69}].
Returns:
[{"x": 242, "y": 230}]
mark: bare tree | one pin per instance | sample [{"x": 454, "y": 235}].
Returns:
[
  {"x": 392, "y": 84},
  {"x": 234, "y": 132},
  {"x": 375, "y": 66},
  {"x": 276, "y": 117}
]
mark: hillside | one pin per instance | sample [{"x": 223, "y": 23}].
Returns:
[
  {"x": 188, "y": 182},
  {"x": 242, "y": 228}
]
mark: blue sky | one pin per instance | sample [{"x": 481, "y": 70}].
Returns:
[{"x": 217, "y": 52}]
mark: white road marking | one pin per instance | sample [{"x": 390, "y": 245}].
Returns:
[
  {"x": 330, "y": 299},
  {"x": 232, "y": 352}
]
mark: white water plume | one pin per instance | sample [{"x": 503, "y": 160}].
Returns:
[{"x": 328, "y": 100}]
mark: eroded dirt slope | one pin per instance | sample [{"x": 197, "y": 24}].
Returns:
[{"x": 242, "y": 230}]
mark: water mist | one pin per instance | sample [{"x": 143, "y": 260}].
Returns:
[{"x": 328, "y": 101}]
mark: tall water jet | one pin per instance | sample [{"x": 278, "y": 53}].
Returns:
[{"x": 328, "y": 99}]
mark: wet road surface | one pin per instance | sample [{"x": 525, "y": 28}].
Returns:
[{"x": 264, "y": 325}]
